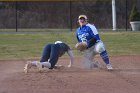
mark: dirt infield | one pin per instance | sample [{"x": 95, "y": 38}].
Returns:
[{"x": 125, "y": 78}]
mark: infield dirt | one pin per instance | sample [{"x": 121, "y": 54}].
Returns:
[{"x": 125, "y": 78}]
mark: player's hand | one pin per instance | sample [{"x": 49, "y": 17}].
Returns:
[{"x": 69, "y": 66}]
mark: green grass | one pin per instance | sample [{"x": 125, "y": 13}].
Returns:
[
  {"x": 122, "y": 43},
  {"x": 30, "y": 46}
]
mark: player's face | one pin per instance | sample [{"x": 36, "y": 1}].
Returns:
[{"x": 82, "y": 21}]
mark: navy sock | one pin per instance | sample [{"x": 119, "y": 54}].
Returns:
[{"x": 105, "y": 57}]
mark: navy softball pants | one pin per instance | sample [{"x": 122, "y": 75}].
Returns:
[{"x": 51, "y": 52}]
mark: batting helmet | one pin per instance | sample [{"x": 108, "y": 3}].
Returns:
[{"x": 56, "y": 42}]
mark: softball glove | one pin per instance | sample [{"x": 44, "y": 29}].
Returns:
[{"x": 81, "y": 46}]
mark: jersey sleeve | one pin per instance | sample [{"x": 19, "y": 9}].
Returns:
[
  {"x": 94, "y": 32},
  {"x": 77, "y": 36},
  {"x": 94, "y": 35}
]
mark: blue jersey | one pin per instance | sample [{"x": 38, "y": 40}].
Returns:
[{"x": 86, "y": 33}]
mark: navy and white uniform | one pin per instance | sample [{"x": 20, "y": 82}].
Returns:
[
  {"x": 52, "y": 52},
  {"x": 86, "y": 33}
]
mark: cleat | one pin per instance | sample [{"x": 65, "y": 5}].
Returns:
[
  {"x": 109, "y": 67},
  {"x": 28, "y": 65}
]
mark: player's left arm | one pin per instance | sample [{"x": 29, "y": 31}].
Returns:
[
  {"x": 91, "y": 42},
  {"x": 94, "y": 35},
  {"x": 94, "y": 32}
]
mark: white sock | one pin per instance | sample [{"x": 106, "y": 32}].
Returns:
[{"x": 46, "y": 64}]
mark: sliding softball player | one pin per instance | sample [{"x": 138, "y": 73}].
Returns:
[{"x": 50, "y": 56}]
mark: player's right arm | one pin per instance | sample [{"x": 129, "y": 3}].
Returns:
[
  {"x": 77, "y": 35},
  {"x": 70, "y": 53}
]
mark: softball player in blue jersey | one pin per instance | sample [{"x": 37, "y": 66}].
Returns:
[
  {"x": 88, "y": 33},
  {"x": 50, "y": 56}
]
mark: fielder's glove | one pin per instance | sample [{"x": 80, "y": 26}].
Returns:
[{"x": 81, "y": 46}]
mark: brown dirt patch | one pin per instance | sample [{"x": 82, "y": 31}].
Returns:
[{"x": 125, "y": 78}]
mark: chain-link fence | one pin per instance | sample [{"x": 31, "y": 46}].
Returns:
[{"x": 63, "y": 14}]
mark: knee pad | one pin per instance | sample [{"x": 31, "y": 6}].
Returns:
[{"x": 99, "y": 47}]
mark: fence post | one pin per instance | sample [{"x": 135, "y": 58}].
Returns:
[
  {"x": 114, "y": 14},
  {"x": 16, "y": 17},
  {"x": 126, "y": 14},
  {"x": 70, "y": 17}
]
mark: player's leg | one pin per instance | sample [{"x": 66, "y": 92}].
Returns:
[
  {"x": 54, "y": 55},
  {"x": 46, "y": 53},
  {"x": 50, "y": 57},
  {"x": 100, "y": 48},
  {"x": 45, "y": 57},
  {"x": 88, "y": 58},
  {"x": 105, "y": 58},
  {"x": 42, "y": 62}
]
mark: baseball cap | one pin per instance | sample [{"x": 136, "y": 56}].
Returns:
[{"x": 82, "y": 16}]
